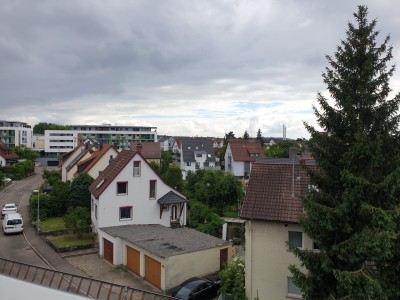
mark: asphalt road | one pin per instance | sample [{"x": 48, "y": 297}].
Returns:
[{"x": 14, "y": 246}]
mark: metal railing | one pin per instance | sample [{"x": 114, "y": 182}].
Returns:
[{"x": 83, "y": 286}]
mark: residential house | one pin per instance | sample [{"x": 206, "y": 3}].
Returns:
[
  {"x": 98, "y": 161},
  {"x": 166, "y": 142},
  {"x": 151, "y": 151},
  {"x": 218, "y": 142},
  {"x": 69, "y": 161},
  {"x": 240, "y": 154},
  {"x": 7, "y": 157},
  {"x": 196, "y": 154},
  {"x": 140, "y": 223},
  {"x": 271, "y": 208}
]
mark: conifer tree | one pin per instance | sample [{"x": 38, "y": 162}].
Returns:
[{"x": 352, "y": 214}]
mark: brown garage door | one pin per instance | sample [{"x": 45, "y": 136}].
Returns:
[
  {"x": 108, "y": 250},
  {"x": 133, "y": 260},
  {"x": 152, "y": 271}
]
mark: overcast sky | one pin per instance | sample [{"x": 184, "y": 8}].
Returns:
[{"x": 187, "y": 67}]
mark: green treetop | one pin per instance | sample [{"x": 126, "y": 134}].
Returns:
[{"x": 353, "y": 214}]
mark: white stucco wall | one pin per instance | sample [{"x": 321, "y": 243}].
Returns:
[
  {"x": 144, "y": 209},
  {"x": 102, "y": 163},
  {"x": 267, "y": 259},
  {"x": 70, "y": 173}
]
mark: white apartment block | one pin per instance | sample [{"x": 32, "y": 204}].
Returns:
[
  {"x": 62, "y": 141},
  {"x": 14, "y": 133}
]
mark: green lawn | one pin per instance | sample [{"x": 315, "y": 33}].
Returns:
[
  {"x": 52, "y": 224},
  {"x": 72, "y": 240}
]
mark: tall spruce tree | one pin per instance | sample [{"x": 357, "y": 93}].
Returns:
[{"x": 353, "y": 214}]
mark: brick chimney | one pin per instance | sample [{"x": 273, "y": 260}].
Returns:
[{"x": 139, "y": 147}]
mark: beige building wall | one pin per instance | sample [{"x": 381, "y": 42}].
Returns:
[
  {"x": 72, "y": 171},
  {"x": 267, "y": 259},
  {"x": 181, "y": 267}
]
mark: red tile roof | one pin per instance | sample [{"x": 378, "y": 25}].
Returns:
[
  {"x": 85, "y": 165},
  {"x": 269, "y": 195},
  {"x": 110, "y": 172},
  {"x": 245, "y": 150},
  {"x": 150, "y": 150},
  {"x": 113, "y": 169},
  {"x": 5, "y": 151},
  {"x": 65, "y": 156}
]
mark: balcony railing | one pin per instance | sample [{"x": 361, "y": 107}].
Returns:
[{"x": 83, "y": 286}]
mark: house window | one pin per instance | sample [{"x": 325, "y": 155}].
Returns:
[
  {"x": 316, "y": 247},
  {"x": 189, "y": 163},
  {"x": 95, "y": 211},
  {"x": 293, "y": 289},
  {"x": 153, "y": 184},
  {"x": 198, "y": 155},
  {"x": 136, "y": 168},
  {"x": 197, "y": 166},
  {"x": 296, "y": 238},
  {"x": 206, "y": 164},
  {"x": 125, "y": 213},
  {"x": 122, "y": 188}
]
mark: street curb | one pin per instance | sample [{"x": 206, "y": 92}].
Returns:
[{"x": 37, "y": 252}]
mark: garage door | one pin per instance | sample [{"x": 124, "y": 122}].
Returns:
[
  {"x": 108, "y": 250},
  {"x": 152, "y": 272},
  {"x": 133, "y": 260}
]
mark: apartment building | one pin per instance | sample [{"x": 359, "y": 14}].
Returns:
[
  {"x": 15, "y": 133},
  {"x": 62, "y": 141}
]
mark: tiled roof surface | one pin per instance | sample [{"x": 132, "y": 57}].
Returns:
[
  {"x": 150, "y": 150},
  {"x": 89, "y": 149},
  {"x": 5, "y": 151},
  {"x": 113, "y": 169},
  {"x": 164, "y": 241},
  {"x": 88, "y": 163},
  {"x": 110, "y": 172},
  {"x": 65, "y": 156},
  {"x": 242, "y": 149},
  {"x": 269, "y": 195},
  {"x": 171, "y": 198},
  {"x": 191, "y": 146}
]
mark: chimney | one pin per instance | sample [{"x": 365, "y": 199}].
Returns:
[{"x": 139, "y": 148}]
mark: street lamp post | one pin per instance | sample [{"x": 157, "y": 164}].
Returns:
[{"x": 38, "y": 207}]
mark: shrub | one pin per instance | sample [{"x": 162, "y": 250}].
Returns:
[
  {"x": 232, "y": 278},
  {"x": 78, "y": 220}
]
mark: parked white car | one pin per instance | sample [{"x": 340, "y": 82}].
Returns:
[
  {"x": 9, "y": 208},
  {"x": 13, "y": 223}
]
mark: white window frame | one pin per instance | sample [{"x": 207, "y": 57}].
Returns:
[
  {"x": 302, "y": 238},
  {"x": 136, "y": 169},
  {"x": 130, "y": 213},
  {"x": 293, "y": 290}
]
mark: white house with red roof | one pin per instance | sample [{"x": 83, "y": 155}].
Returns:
[
  {"x": 97, "y": 161},
  {"x": 240, "y": 154},
  {"x": 140, "y": 223},
  {"x": 270, "y": 209}
]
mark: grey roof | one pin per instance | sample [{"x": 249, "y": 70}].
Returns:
[
  {"x": 164, "y": 241},
  {"x": 171, "y": 198},
  {"x": 190, "y": 146}
]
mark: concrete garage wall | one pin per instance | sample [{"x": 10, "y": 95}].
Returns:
[
  {"x": 181, "y": 267},
  {"x": 117, "y": 258}
]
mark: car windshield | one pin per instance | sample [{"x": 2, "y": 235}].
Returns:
[
  {"x": 14, "y": 222},
  {"x": 10, "y": 206}
]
